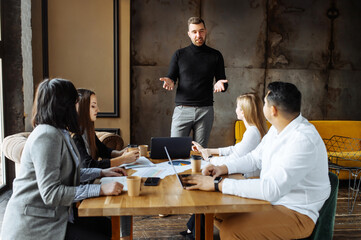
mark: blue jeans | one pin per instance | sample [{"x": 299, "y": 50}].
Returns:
[{"x": 188, "y": 118}]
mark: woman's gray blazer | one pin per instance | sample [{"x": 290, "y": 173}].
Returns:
[{"x": 45, "y": 188}]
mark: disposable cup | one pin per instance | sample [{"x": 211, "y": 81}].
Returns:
[
  {"x": 196, "y": 162},
  {"x": 133, "y": 184},
  {"x": 143, "y": 150},
  {"x": 132, "y": 147}
]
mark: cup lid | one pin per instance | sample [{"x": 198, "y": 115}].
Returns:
[
  {"x": 196, "y": 157},
  {"x": 132, "y": 145}
]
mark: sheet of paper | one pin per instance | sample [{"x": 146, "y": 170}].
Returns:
[
  {"x": 151, "y": 172},
  {"x": 140, "y": 162},
  {"x": 122, "y": 180},
  {"x": 162, "y": 170}
]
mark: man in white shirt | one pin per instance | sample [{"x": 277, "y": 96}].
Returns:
[{"x": 294, "y": 174}]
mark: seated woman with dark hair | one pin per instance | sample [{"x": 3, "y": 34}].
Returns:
[
  {"x": 88, "y": 144},
  {"x": 91, "y": 148},
  {"x": 42, "y": 205}
]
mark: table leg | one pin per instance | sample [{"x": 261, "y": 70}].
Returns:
[
  {"x": 208, "y": 226},
  {"x": 198, "y": 226},
  {"x": 116, "y": 228}
]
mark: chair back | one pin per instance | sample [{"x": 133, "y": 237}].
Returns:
[{"x": 324, "y": 226}]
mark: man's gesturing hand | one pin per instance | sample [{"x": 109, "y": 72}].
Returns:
[
  {"x": 219, "y": 86},
  {"x": 168, "y": 83}
]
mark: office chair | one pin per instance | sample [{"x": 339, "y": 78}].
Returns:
[{"x": 324, "y": 226}]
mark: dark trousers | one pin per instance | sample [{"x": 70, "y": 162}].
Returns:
[
  {"x": 191, "y": 224},
  {"x": 89, "y": 228}
]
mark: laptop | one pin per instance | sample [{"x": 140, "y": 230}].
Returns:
[
  {"x": 178, "y": 147},
  {"x": 183, "y": 185}
]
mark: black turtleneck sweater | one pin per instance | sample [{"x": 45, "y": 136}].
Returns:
[{"x": 196, "y": 68}]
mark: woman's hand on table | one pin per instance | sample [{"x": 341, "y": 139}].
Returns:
[
  {"x": 126, "y": 157},
  {"x": 116, "y": 153},
  {"x": 113, "y": 172},
  {"x": 129, "y": 157},
  {"x": 112, "y": 188}
]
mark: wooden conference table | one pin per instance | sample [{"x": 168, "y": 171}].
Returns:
[{"x": 168, "y": 198}]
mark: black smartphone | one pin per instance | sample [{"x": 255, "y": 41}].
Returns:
[{"x": 152, "y": 181}]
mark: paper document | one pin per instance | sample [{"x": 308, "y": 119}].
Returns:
[
  {"x": 122, "y": 180},
  {"x": 163, "y": 169},
  {"x": 139, "y": 163},
  {"x": 151, "y": 172}
]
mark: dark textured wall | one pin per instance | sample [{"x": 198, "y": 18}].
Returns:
[
  {"x": 313, "y": 44},
  {"x": 12, "y": 68},
  {"x": 12, "y": 71}
]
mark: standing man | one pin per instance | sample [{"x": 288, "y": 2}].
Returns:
[
  {"x": 294, "y": 174},
  {"x": 195, "y": 67}
]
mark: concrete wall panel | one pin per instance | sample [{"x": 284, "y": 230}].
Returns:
[
  {"x": 298, "y": 34},
  {"x": 237, "y": 29},
  {"x": 344, "y": 98},
  {"x": 347, "y": 36},
  {"x": 152, "y": 106},
  {"x": 159, "y": 28},
  {"x": 311, "y": 85}
]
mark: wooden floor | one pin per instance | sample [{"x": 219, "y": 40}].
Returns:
[{"x": 347, "y": 226}]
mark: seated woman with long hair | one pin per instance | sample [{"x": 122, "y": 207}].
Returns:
[
  {"x": 91, "y": 148},
  {"x": 250, "y": 110},
  {"x": 48, "y": 185},
  {"x": 88, "y": 144}
]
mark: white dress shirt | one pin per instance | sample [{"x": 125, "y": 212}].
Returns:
[
  {"x": 250, "y": 140},
  {"x": 294, "y": 169}
]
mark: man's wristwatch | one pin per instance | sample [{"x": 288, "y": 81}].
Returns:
[{"x": 217, "y": 180}]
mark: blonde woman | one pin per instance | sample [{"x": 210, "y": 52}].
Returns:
[{"x": 250, "y": 111}]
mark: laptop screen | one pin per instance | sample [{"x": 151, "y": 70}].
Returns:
[
  {"x": 178, "y": 147},
  {"x": 171, "y": 163}
]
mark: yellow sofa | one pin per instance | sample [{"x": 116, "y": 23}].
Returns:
[{"x": 327, "y": 129}]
